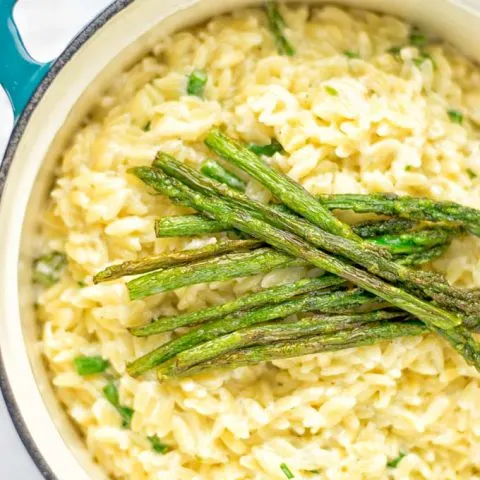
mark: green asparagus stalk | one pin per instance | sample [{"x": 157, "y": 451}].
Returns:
[
  {"x": 360, "y": 336},
  {"x": 181, "y": 257},
  {"x": 269, "y": 296},
  {"x": 225, "y": 267},
  {"x": 429, "y": 283},
  {"x": 375, "y": 228},
  {"x": 422, "y": 257},
  {"x": 269, "y": 333},
  {"x": 214, "y": 170},
  {"x": 213, "y": 329},
  {"x": 186, "y": 226},
  {"x": 414, "y": 242},
  {"x": 195, "y": 224},
  {"x": 289, "y": 192},
  {"x": 418, "y": 209},
  {"x": 277, "y": 25},
  {"x": 218, "y": 208}
]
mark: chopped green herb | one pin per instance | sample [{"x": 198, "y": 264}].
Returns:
[
  {"x": 48, "y": 268},
  {"x": 418, "y": 39},
  {"x": 408, "y": 168},
  {"x": 395, "y": 51},
  {"x": 111, "y": 394},
  {"x": 196, "y": 83},
  {"x": 314, "y": 471},
  {"x": 351, "y": 54},
  {"x": 157, "y": 445},
  {"x": 471, "y": 173},
  {"x": 81, "y": 284},
  {"x": 277, "y": 25},
  {"x": 288, "y": 473},
  {"x": 267, "y": 150},
  {"x": 331, "y": 91},
  {"x": 394, "y": 463},
  {"x": 455, "y": 116},
  {"x": 147, "y": 126},
  {"x": 90, "y": 365},
  {"x": 422, "y": 58}
]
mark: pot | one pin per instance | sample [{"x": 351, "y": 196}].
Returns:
[{"x": 63, "y": 94}]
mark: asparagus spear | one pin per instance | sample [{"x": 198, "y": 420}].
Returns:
[
  {"x": 406, "y": 207},
  {"x": 267, "y": 334},
  {"x": 269, "y": 296},
  {"x": 218, "y": 208},
  {"x": 195, "y": 224},
  {"x": 186, "y": 226},
  {"x": 214, "y": 170},
  {"x": 181, "y": 257},
  {"x": 422, "y": 257},
  {"x": 226, "y": 267},
  {"x": 431, "y": 284},
  {"x": 289, "y": 192},
  {"x": 277, "y": 25},
  {"x": 413, "y": 242},
  {"x": 360, "y": 336},
  {"x": 234, "y": 322},
  {"x": 374, "y": 228}
]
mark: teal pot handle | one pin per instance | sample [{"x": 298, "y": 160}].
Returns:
[{"x": 20, "y": 74}]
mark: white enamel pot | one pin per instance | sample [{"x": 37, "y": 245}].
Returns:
[{"x": 113, "y": 41}]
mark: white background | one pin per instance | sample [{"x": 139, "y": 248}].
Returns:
[{"x": 46, "y": 27}]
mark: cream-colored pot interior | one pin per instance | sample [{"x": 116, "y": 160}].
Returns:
[{"x": 122, "y": 40}]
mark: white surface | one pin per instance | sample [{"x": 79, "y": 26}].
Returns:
[{"x": 45, "y": 36}]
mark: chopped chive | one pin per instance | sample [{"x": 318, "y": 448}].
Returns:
[
  {"x": 157, "y": 445},
  {"x": 147, "y": 126},
  {"x": 314, "y": 471},
  {"x": 288, "y": 473},
  {"x": 48, "y": 268},
  {"x": 471, "y": 173},
  {"x": 86, "y": 365},
  {"x": 421, "y": 59},
  {"x": 351, "y": 54},
  {"x": 111, "y": 394},
  {"x": 81, "y": 284},
  {"x": 408, "y": 168},
  {"x": 127, "y": 414},
  {"x": 267, "y": 150},
  {"x": 196, "y": 83},
  {"x": 277, "y": 24},
  {"x": 394, "y": 462},
  {"x": 455, "y": 116},
  {"x": 395, "y": 51},
  {"x": 418, "y": 39},
  {"x": 331, "y": 91}
]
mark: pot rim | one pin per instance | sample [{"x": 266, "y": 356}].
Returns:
[{"x": 76, "y": 43}]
